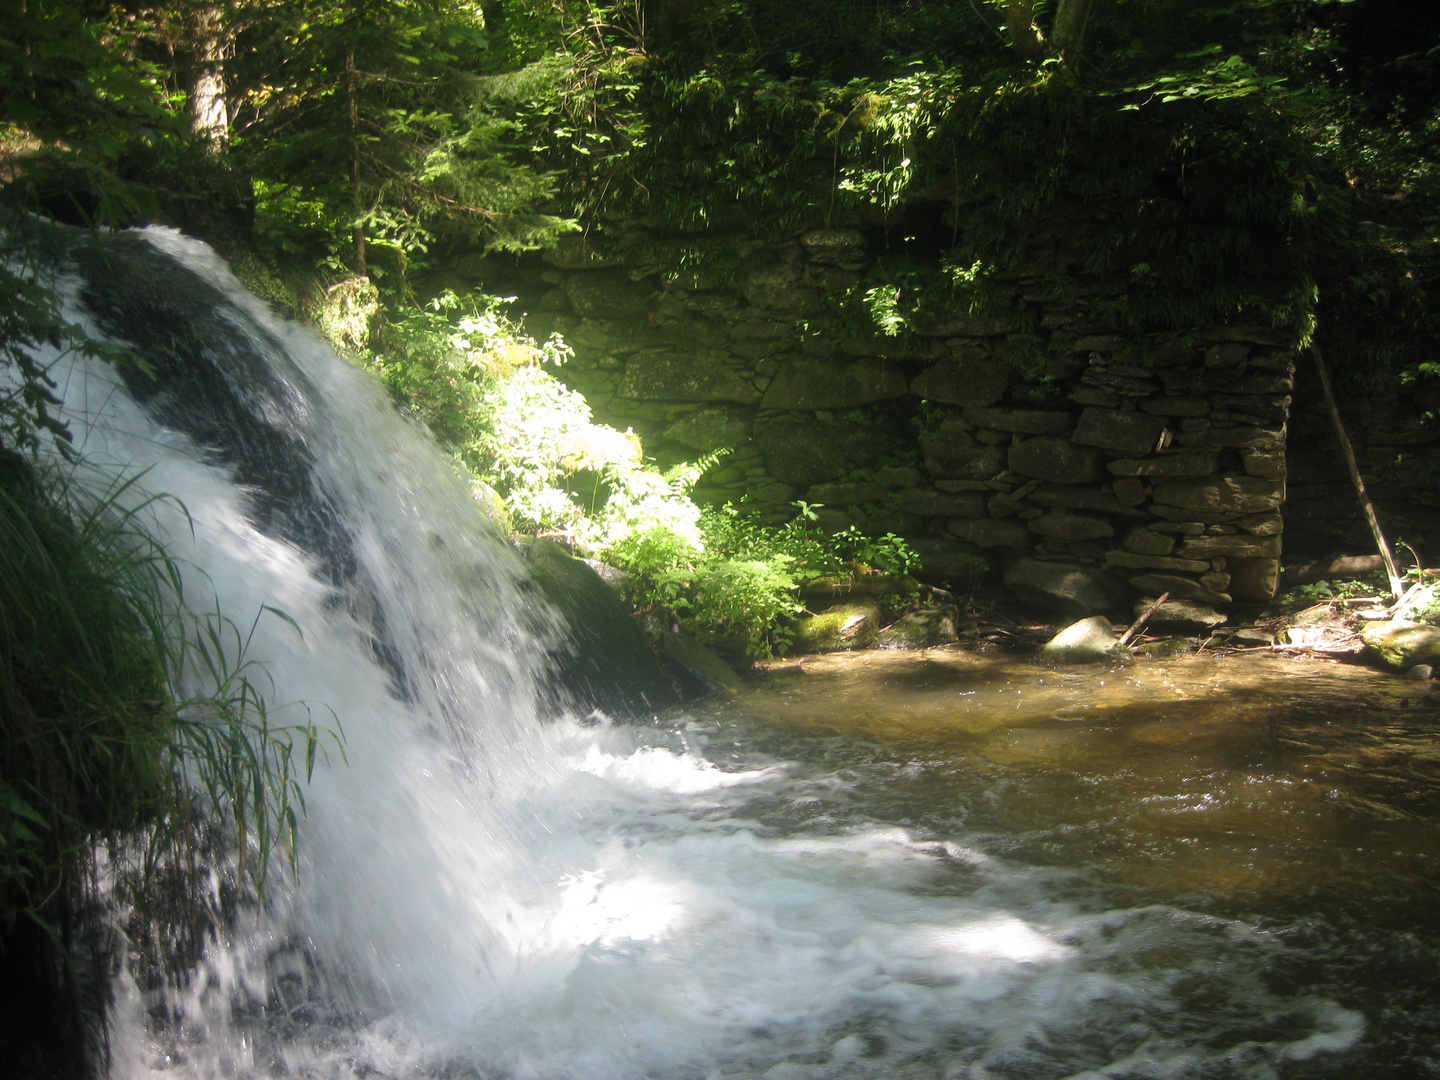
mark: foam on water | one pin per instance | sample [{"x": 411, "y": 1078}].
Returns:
[{"x": 484, "y": 892}]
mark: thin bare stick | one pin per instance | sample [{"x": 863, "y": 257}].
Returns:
[
  {"x": 1397, "y": 586},
  {"x": 1142, "y": 620}
]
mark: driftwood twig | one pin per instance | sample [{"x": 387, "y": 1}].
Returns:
[
  {"x": 1397, "y": 586},
  {"x": 1142, "y": 620}
]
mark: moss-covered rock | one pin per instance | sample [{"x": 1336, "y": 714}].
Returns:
[
  {"x": 845, "y": 626},
  {"x": 921, "y": 629},
  {"x": 1402, "y": 644}
]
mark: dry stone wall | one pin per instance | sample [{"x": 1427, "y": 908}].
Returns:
[{"x": 1117, "y": 469}]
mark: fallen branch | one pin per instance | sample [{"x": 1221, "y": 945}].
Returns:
[
  {"x": 1397, "y": 586},
  {"x": 1142, "y": 620}
]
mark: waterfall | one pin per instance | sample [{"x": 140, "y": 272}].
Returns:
[{"x": 486, "y": 891}]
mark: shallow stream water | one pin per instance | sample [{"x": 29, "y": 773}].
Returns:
[
  {"x": 946, "y": 864},
  {"x": 1247, "y": 846}
]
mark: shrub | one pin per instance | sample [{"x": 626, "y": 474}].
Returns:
[{"x": 483, "y": 387}]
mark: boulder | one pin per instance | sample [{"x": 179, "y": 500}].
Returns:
[
  {"x": 700, "y": 662},
  {"x": 1146, "y": 542},
  {"x": 1173, "y": 405},
  {"x": 600, "y": 659},
  {"x": 1089, "y": 641},
  {"x": 1267, "y": 463},
  {"x": 1129, "y": 491},
  {"x": 1251, "y": 438},
  {"x": 791, "y": 299},
  {"x": 1062, "y": 525},
  {"x": 955, "y": 457},
  {"x": 1181, "y": 588},
  {"x": 1188, "y": 463},
  {"x": 922, "y": 629},
  {"x": 806, "y": 383},
  {"x": 1252, "y": 636},
  {"x": 1403, "y": 644},
  {"x": 1020, "y": 421},
  {"x": 851, "y": 625},
  {"x": 844, "y": 493},
  {"x": 1126, "y": 560},
  {"x": 954, "y": 382},
  {"x": 709, "y": 428},
  {"x": 606, "y": 294},
  {"x": 806, "y": 453},
  {"x": 1076, "y": 497},
  {"x": 990, "y": 532},
  {"x": 1064, "y": 587},
  {"x": 704, "y": 376},
  {"x": 1253, "y": 578},
  {"x": 949, "y": 562},
  {"x": 1239, "y": 494},
  {"x": 1231, "y": 546},
  {"x": 1128, "y": 432},
  {"x": 930, "y": 502},
  {"x": 1180, "y": 616},
  {"x": 575, "y": 252},
  {"x": 1058, "y": 460}
]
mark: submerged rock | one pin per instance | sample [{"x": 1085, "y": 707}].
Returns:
[
  {"x": 844, "y": 626},
  {"x": 922, "y": 629},
  {"x": 1403, "y": 644},
  {"x": 1088, "y": 641}
]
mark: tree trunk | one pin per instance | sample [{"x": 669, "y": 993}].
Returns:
[
  {"x": 209, "y": 112},
  {"x": 1068, "y": 34},
  {"x": 352, "y": 83},
  {"x": 1026, "y": 36}
]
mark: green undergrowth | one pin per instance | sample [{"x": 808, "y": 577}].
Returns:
[
  {"x": 131, "y": 726},
  {"x": 488, "y": 393}
]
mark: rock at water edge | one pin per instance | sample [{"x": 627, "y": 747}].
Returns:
[
  {"x": 1088, "y": 641},
  {"x": 844, "y": 626},
  {"x": 601, "y": 660},
  {"x": 1181, "y": 616},
  {"x": 700, "y": 662},
  {"x": 921, "y": 629},
  {"x": 1403, "y": 644}
]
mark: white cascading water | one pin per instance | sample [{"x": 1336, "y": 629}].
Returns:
[{"x": 487, "y": 893}]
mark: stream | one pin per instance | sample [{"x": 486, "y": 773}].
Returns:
[{"x": 955, "y": 864}]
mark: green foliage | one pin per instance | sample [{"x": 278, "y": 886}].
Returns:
[
  {"x": 361, "y": 130},
  {"x": 483, "y": 387},
  {"x": 744, "y": 584},
  {"x": 1339, "y": 589}
]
